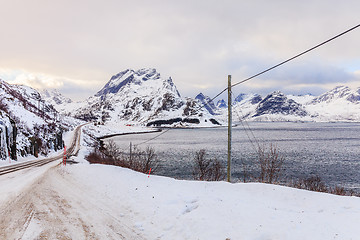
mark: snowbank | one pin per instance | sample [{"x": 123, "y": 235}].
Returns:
[{"x": 165, "y": 208}]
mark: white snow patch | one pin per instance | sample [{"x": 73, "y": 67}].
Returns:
[{"x": 165, "y": 208}]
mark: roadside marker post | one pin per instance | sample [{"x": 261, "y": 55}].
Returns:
[
  {"x": 149, "y": 173},
  {"x": 9, "y": 157}
]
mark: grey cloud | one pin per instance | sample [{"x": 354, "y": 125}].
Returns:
[{"x": 192, "y": 41}]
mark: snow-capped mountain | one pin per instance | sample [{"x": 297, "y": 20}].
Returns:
[
  {"x": 141, "y": 96},
  {"x": 62, "y": 104},
  {"x": 54, "y": 97},
  {"x": 207, "y": 103},
  {"x": 145, "y": 97},
  {"x": 221, "y": 104},
  {"x": 278, "y": 103},
  {"x": 240, "y": 97},
  {"x": 28, "y": 125},
  {"x": 251, "y": 98},
  {"x": 302, "y": 99},
  {"x": 339, "y": 104},
  {"x": 340, "y": 92},
  {"x": 244, "y": 106}
]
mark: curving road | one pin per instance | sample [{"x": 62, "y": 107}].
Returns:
[
  {"x": 71, "y": 150},
  {"x": 49, "y": 202}
]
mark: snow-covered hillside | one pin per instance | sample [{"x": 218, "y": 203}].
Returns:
[
  {"x": 28, "y": 124},
  {"x": 339, "y": 104},
  {"x": 7, "y": 135}
]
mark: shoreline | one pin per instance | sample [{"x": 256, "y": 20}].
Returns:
[{"x": 127, "y": 133}]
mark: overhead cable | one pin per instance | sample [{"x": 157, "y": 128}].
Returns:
[{"x": 286, "y": 61}]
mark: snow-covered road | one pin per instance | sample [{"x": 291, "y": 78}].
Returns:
[
  {"x": 39, "y": 202},
  {"x": 57, "y": 207}
]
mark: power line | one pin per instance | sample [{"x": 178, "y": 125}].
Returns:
[
  {"x": 296, "y": 56},
  {"x": 153, "y": 138},
  {"x": 246, "y": 129},
  {"x": 282, "y": 63},
  {"x": 260, "y": 73}
]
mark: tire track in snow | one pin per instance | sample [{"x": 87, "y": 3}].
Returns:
[
  {"x": 55, "y": 210},
  {"x": 55, "y": 207}
]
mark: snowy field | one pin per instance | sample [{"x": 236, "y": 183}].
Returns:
[{"x": 165, "y": 208}]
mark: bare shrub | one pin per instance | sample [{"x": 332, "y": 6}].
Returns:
[
  {"x": 313, "y": 183},
  {"x": 218, "y": 171},
  {"x": 139, "y": 160},
  {"x": 246, "y": 176},
  {"x": 340, "y": 191},
  {"x": 98, "y": 157},
  {"x": 143, "y": 160},
  {"x": 207, "y": 169},
  {"x": 270, "y": 163},
  {"x": 201, "y": 167},
  {"x": 112, "y": 151}
]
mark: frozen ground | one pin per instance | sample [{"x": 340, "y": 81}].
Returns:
[
  {"x": 164, "y": 208},
  {"x": 84, "y": 201}
]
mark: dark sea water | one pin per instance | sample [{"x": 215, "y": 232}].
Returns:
[{"x": 328, "y": 150}]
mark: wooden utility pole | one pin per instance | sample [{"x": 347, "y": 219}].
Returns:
[{"x": 229, "y": 129}]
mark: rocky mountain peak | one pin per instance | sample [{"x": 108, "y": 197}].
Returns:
[
  {"x": 354, "y": 97},
  {"x": 54, "y": 97},
  {"x": 248, "y": 98},
  {"x": 221, "y": 104},
  {"x": 131, "y": 95},
  {"x": 278, "y": 103},
  {"x": 339, "y": 92},
  {"x": 207, "y": 102},
  {"x": 130, "y": 76},
  {"x": 240, "y": 97}
]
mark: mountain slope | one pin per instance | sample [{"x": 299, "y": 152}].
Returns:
[
  {"x": 28, "y": 125},
  {"x": 278, "y": 103},
  {"x": 54, "y": 97},
  {"x": 207, "y": 103},
  {"x": 340, "y": 92},
  {"x": 339, "y": 104},
  {"x": 141, "y": 96}
]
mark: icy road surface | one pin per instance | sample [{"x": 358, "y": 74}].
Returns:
[{"x": 57, "y": 207}]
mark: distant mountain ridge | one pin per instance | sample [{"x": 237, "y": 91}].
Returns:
[
  {"x": 144, "y": 96},
  {"x": 339, "y": 104},
  {"x": 340, "y": 92},
  {"x": 54, "y": 97}
]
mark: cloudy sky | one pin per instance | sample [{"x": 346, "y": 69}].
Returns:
[{"x": 77, "y": 45}]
